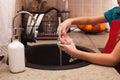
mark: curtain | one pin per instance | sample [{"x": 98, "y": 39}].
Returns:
[{"x": 7, "y": 10}]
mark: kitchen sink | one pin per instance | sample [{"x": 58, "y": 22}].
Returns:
[{"x": 47, "y": 56}]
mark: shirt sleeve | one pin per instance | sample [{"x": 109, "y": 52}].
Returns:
[{"x": 109, "y": 14}]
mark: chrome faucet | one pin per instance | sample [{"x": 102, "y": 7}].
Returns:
[{"x": 24, "y": 36}]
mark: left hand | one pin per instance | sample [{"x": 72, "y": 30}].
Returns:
[{"x": 64, "y": 27}]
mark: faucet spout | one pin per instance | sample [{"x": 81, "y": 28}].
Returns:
[
  {"x": 58, "y": 13},
  {"x": 25, "y": 37},
  {"x": 53, "y": 8}
]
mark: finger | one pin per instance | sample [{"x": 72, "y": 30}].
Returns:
[
  {"x": 68, "y": 39},
  {"x": 64, "y": 30},
  {"x": 60, "y": 46},
  {"x": 61, "y": 29}
]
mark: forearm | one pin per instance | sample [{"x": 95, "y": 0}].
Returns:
[
  {"x": 88, "y": 19},
  {"x": 97, "y": 58},
  {"x": 81, "y": 20}
]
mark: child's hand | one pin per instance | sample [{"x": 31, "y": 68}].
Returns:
[{"x": 68, "y": 47}]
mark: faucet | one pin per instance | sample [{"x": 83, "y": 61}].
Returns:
[
  {"x": 58, "y": 13},
  {"x": 24, "y": 36}
]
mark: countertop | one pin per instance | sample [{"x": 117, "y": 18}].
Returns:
[{"x": 90, "y": 72}]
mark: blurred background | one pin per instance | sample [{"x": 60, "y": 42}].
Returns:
[{"x": 8, "y": 8}]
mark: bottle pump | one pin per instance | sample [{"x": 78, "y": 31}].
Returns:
[{"x": 16, "y": 55}]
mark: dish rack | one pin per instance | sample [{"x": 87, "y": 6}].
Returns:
[{"x": 46, "y": 23}]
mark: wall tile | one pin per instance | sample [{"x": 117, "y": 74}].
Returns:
[
  {"x": 90, "y": 7},
  {"x": 84, "y": 7}
]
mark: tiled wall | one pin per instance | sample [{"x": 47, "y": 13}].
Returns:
[
  {"x": 28, "y": 3},
  {"x": 18, "y": 7},
  {"x": 90, "y": 7},
  {"x": 84, "y": 7}
]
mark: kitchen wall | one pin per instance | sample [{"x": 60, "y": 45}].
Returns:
[
  {"x": 90, "y": 7},
  {"x": 18, "y": 7},
  {"x": 30, "y": 4},
  {"x": 81, "y": 7}
]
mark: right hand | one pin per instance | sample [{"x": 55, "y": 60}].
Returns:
[
  {"x": 68, "y": 48},
  {"x": 64, "y": 27}
]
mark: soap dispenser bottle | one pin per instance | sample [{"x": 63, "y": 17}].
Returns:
[{"x": 16, "y": 56}]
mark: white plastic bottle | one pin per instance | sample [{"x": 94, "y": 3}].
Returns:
[{"x": 16, "y": 56}]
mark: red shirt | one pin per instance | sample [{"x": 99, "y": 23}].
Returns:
[{"x": 113, "y": 36}]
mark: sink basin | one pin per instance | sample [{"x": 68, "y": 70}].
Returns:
[{"x": 47, "y": 56}]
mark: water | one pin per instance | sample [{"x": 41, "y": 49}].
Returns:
[
  {"x": 60, "y": 57},
  {"x": 59, "y": 42}
]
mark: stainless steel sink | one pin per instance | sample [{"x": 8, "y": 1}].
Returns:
[{"x": 47, "y": 57}]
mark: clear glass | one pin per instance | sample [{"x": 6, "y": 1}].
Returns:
[
  {"x": 49, "y": 28},
  {"x": 49, "y": 24}
]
